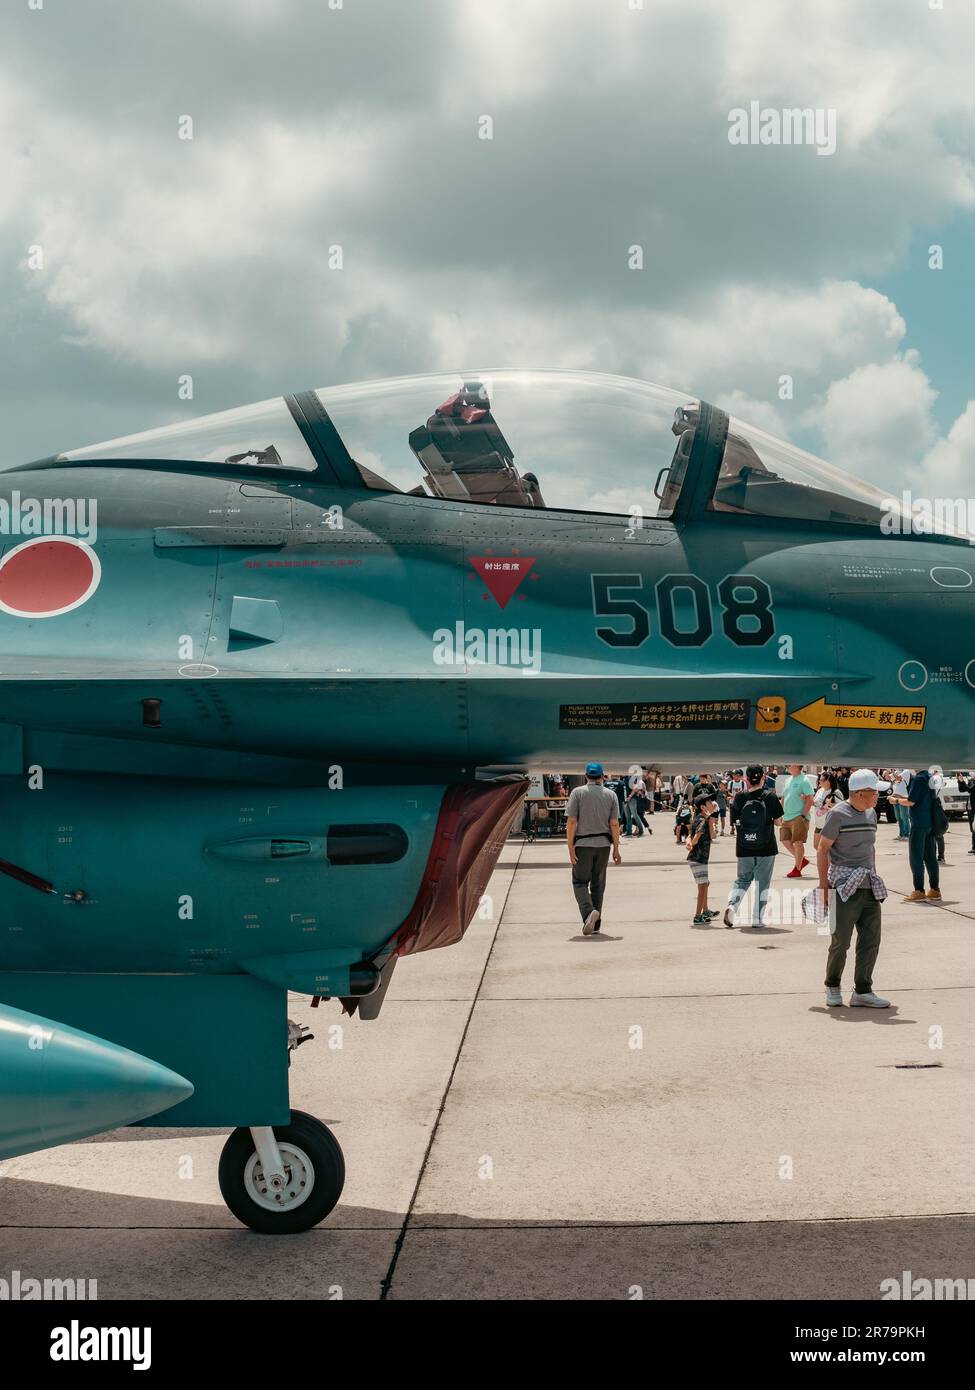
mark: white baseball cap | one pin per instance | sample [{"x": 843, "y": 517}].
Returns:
[{"x": 866, "y": 780}]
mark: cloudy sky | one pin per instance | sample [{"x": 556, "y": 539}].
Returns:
[{"x": 359, "y": 126}]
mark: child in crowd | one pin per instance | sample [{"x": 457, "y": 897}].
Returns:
[
  {"x": 702, "y": 832},
  {"x": 684, "y": 816}
]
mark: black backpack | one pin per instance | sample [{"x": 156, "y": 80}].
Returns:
[{"x": 753, "y": 821}]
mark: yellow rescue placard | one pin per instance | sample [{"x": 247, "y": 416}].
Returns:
[
  {"x": 770, "y": 714},
  {"x": 819, "y": 715}
]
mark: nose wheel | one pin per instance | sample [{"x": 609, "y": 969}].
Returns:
[{"x": 284, "y": 1180}]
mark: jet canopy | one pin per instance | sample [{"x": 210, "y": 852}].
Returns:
[
  {"x": 252, "y": 436},
  {"x": 567, "y": 441},
  {"x": 545, "y": 440}
]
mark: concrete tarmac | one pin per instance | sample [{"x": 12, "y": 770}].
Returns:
[{"x": 659, "y": 1111}]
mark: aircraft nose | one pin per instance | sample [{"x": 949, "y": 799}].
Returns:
[{"x": 62, "y": 1084}]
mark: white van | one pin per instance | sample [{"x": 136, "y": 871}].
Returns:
[{"x": 955, "y": 801}]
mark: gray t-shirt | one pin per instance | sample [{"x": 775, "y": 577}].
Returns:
[
  {"x": 853, "y": 833},
  {"x": 593, "y": 807}
]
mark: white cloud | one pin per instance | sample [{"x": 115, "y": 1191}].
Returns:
[
  {"x": 877, "y": 421},
  {"x": 611, "y": 129},
  {"x": 950, "y": 465}
]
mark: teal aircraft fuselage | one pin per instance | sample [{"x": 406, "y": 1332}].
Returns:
[{"x": 264, "y": 710}]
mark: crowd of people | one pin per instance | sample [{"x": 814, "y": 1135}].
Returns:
[{"x": 765, "y": 809}]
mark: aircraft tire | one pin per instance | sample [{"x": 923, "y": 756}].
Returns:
[{"x": 310, "y": 1151}]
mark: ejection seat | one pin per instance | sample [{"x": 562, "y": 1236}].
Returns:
[{"x": 466, "y": 456}]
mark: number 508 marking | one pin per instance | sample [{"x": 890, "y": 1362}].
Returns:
[{"x": 611, "y": 600}]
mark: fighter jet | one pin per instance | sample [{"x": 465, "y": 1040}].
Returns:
[{"x": 271, "y": 682}]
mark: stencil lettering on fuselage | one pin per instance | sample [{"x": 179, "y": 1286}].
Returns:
[{"x": 684, "y": 610}]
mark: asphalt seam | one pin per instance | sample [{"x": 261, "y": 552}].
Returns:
[
  {"x": 567, "y": 1225},
  {"x": 624, "y": 998},
  {"x": 401, "y": 1238}
]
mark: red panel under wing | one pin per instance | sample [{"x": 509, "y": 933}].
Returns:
[{"x": 471, "y": 830}]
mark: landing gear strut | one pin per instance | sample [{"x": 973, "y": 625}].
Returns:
[{"x": 283, "y": 1180}]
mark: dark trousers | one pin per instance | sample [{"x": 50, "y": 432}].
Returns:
[
  {"x": 589, "y": 877},
  {"x": 923, "y": 853},
  {"x": 863, "y": 912},
  {"x": 971, "y": 826}
]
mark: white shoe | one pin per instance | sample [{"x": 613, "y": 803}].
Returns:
[
  {"x": 589, "y": 925},
  {"x": 869, "y": 1001},
  {"x": 834, "y": 998}
]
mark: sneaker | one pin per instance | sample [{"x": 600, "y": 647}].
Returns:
[
  {"x": 834, "y": 998},
  {"x": 701, "y": 920},
  {"x": 728, "y": 920},
  {"x": 711, "y": 912},
  {"x": 868, "y": 1001},
  {"x": 589, "y": 925},
  {"x": 795, "y": 873},
  {"x": 918, "y": 896},
  {"x": 805, "y": 863},
  {"x": 934, "y": 894}
]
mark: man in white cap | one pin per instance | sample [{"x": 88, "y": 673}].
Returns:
[{"x": 848, "y": 867}]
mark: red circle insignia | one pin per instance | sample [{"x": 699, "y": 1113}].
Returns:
[{"x": 47, "y": 576}]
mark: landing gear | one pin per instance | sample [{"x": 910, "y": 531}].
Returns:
[{"x": 283, "y": 1180}]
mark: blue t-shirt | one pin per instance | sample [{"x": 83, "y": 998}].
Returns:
[{"x": 793, "y": 792}]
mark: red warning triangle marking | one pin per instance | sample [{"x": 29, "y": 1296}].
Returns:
[{"x": 503, "y": 574}]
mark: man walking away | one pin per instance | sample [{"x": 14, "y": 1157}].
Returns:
[
  {"x": 755, "y": 813},
  {"x": 847, "y": 865},
  {"x": 797, "y": 797},
  {"x": 592, "y": 830},
  {"x": 922, "y": 849}
]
